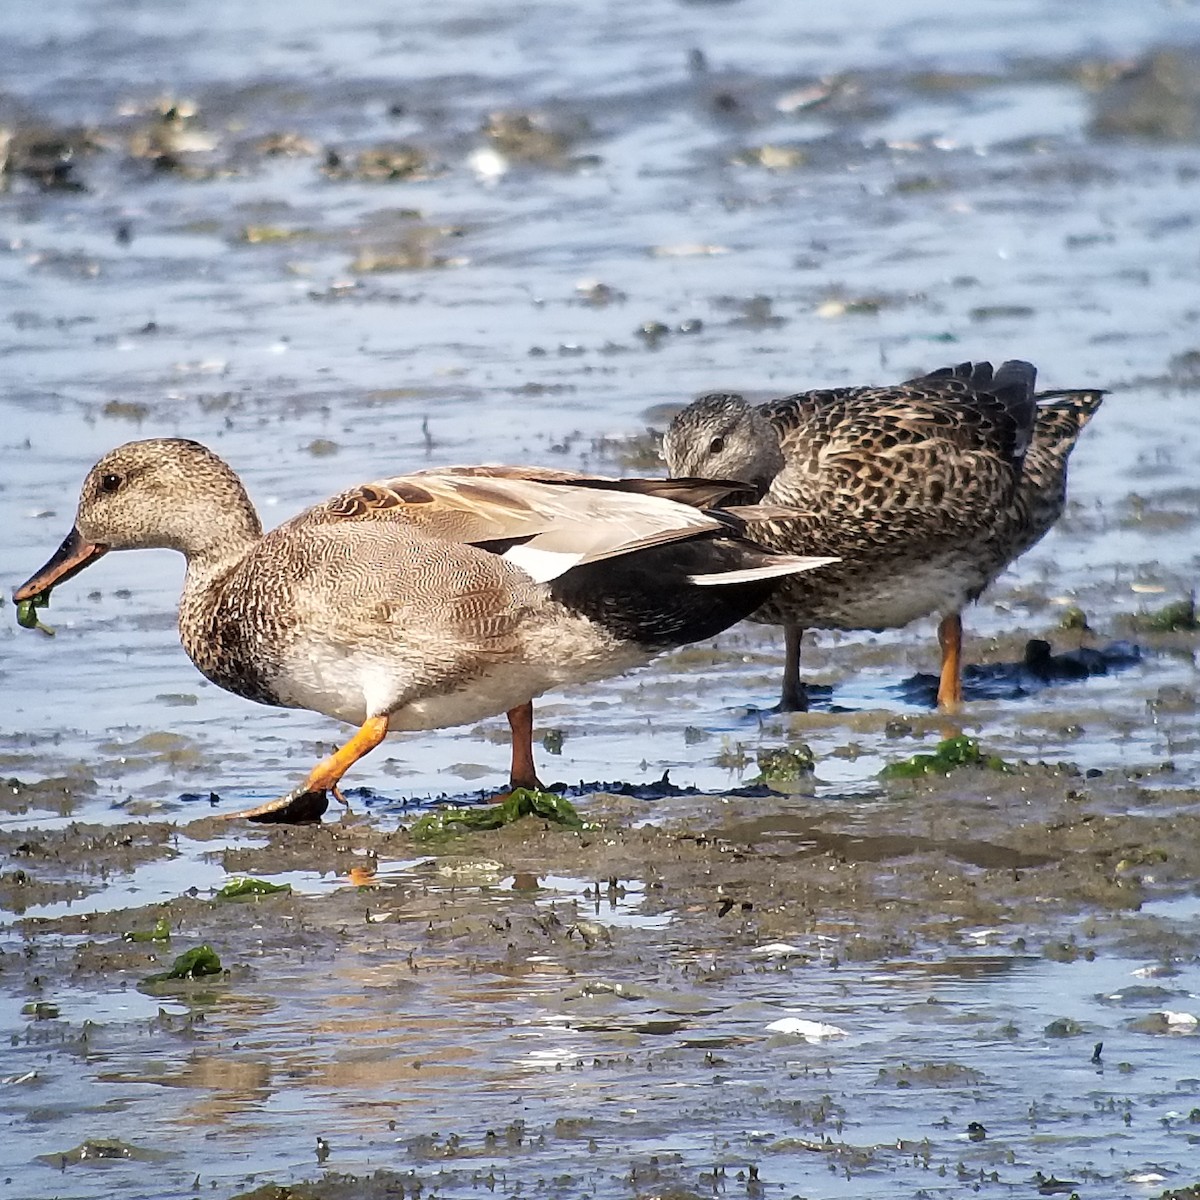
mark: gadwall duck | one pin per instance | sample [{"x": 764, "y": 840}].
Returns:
[
  {"x": 426, "y": 600},
  {"x": 928, "y": 489}
]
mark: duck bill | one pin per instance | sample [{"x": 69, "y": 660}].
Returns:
[{"x": 66, "y": 562}]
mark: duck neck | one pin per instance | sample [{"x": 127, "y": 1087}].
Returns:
[{"x": 226, "y": 538}]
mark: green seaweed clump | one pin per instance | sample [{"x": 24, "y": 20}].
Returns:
[
  {"x": 783, "y": 764},
  {"x": 244, "y": 886},
  {"x": 1074, "y": 618},
  {"x": 41, "y": 1010},
  {"x": 520, "y": 802},
  {"x": 97, "y": 1149},
  {"x": 27, "y": 616},
  {"x": 160, "y": 933},
  {"x": 951, "y": 753},
  {"x": 1177, "y": 617},
  {"x": 191, "y": 964}
]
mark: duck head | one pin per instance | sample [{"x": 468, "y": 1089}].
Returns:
[
  {"x": 720, "y": 436},
  {"x": 161, "y": 493}
]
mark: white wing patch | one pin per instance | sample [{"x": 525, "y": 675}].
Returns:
[{"x": 542, "y": 565}]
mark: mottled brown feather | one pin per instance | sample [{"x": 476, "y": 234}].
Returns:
[{"x": 931, "y": 486}]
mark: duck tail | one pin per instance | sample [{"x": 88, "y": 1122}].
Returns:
[
  {"x": 1013, "y": 385},
  {"x": 1074, "y": 406},
  {"x": 1060, "y": 420},
  {"x": 771, "y": 566}
]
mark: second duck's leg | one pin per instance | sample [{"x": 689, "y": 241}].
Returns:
[
  {"x": 308, "y": 801},
  {"x": 950, "y": 683},
  {"x": 794, "y": 696},
  {"x": 523, "y": 773}
]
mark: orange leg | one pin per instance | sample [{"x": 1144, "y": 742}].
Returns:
[
  {"x": 326, "y": 775},
  {"x": 523, "y": 773},
  {"x": 950, "y": 684},
  {"x": 794, "y": 696},
  {"x": 309, "y": 801}
]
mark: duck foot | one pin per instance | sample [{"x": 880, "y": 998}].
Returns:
[
  {"x": 554, "y": 789},
  {"x": 301, "y": 806}
]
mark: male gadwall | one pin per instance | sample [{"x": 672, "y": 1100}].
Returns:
[
  {"x": 928, "y": 489},
  {"x": 425, "y": 600}
]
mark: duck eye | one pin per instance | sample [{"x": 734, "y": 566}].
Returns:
[
  {"x": 110, "y": 482},
  {"x": 716, "y": 445}
]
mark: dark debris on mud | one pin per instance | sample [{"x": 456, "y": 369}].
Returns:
[{"x": 1038, "y": 669}]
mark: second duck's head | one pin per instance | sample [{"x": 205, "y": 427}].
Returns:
[{"x": 720, "y": 436}]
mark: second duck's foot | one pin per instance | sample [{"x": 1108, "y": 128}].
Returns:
[
  {"x": 515, "y": 786},
  {"x": 301, "y": 806},
  {"x": 529, "y": 782},
  {"x": 793, "y": 700}
]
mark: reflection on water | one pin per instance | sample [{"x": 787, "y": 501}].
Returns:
[
  {"x": 615, "y": 902},
  {"x": 485, "y": 1070}
]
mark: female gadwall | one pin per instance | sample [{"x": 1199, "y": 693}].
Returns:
[
  {"x": 928, "y": 489},
  {"x": 425, "y": 600}
]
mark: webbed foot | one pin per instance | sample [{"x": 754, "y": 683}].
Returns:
[{"x": 301, "y": 806}]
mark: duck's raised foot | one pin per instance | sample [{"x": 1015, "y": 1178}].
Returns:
[{"x": 300, "y": 806}]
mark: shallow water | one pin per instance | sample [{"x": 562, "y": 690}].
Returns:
[
  {"x": 771, "y": 199},
  {"x": 652, "y": 1064}
]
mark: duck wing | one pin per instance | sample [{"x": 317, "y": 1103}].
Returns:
[
  {"x": 699, "y": 493},
  {"x": 978, "y": 387},
  {"x": 545, "y": 522},
  {"x": 969, "y": 407},
  {"x": 907, "y": 464}
]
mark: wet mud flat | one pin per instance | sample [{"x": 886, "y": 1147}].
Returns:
[
  {"x": 985, "y": 981},
  {"x": 337, "y": 245}
]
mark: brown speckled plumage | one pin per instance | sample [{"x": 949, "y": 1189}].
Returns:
[
  {"x": 928, "y": 488},
  {"x": 422, "y": 601}
]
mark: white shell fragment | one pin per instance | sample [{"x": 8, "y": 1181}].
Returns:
[
  {"x": 1183, "y": 1022},
  {"x": 813, "y": 1032},
  {"x": 776, "y": 950}
]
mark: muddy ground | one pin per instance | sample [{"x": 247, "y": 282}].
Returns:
[
  {"x": 339, "y": 244},
  {"x": 564, "y": 1012}
]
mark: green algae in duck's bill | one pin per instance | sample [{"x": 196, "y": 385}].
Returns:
[
  {"x": 245, "y": 887},
  {"x": 27, "y": 616},
  {"x": 520, "y": 802},
  {"x": 951, "y": 753},
  {"x": 191, "y": 964}
]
